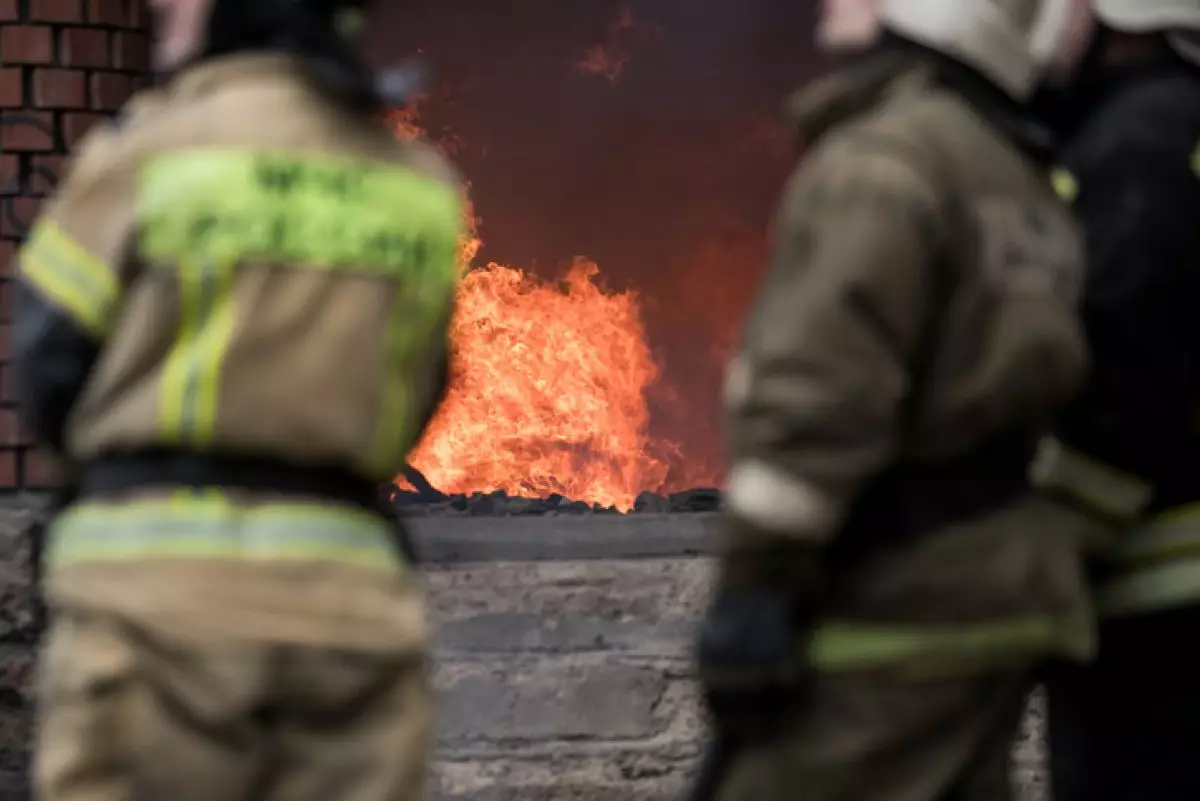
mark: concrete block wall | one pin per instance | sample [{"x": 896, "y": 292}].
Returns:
[
  {"x": 563, "y": 657},
  {"x": 562, "y": 652},
  {"x": 21, "y": 625}
]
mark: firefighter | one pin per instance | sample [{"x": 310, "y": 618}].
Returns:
[
  {"x": 1128, "y": 449},
  {"x": 889, "y": 583},
  {"x": 233, "y": 327}
]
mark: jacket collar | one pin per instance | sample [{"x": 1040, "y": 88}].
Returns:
[
  {"x": 208, "y": 75},
  {"x": 897, "y": 70},
  {"x": 847, "y": 93}
]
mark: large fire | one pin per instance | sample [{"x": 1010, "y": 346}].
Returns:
[
  {"x": 548, "y": 392},
  {"x": 647, "y": 138}
]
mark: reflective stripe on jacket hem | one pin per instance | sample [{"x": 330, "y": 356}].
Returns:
[
  {"x": 841, "y": 646},
  {"x": 208, "y": 525}
]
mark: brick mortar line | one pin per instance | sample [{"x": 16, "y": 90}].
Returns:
[{"x": 88, "y": 73}]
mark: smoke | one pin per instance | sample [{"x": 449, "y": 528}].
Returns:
[{"x": 644, "y": 134}]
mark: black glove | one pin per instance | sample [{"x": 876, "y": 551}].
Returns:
[{"x": 751, "y": 647}]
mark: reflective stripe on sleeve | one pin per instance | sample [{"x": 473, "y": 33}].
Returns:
[
  {"x": 1093, "y": 484},
  {"x": 208, "y": 526},
  {"x": 59, "y": 268},
  {"x": 773, "y": 500}
]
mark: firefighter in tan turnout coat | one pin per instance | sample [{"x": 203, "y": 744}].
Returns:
[
  {"x": 889, "y": 582},
  {"x": 233, "y": 328}
]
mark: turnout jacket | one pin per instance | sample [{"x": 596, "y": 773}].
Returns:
[{"x": 238, "y": 266}]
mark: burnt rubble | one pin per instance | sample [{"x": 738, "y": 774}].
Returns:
[{"x": 430, "y": 502}]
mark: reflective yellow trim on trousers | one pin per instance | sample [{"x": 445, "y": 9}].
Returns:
[
  {"x": 842, "y": 646},
  {"x": 208, "y": 526},
  {"x": 81, "y": 284},
  {"x": 192, "y": 373}
]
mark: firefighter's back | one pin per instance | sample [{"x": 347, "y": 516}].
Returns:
[
  {"x": 1005, "y": 347},
  {"x": 290, "y": 286},
  {"x": 290, "y": 282},
  {"x": 265, "y": 279}
]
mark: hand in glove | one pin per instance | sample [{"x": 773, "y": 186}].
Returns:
[{"x": 751, "y": 645}]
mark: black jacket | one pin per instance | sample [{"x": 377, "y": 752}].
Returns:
[{"x": 1136, "y": 161}]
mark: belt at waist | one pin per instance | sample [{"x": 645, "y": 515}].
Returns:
[{"x": 118, "y": 473}]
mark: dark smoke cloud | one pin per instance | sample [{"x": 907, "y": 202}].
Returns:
[{"x": 665, "y": 174}]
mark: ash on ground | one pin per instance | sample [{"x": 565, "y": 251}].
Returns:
[{"x": 501, "y": 504}]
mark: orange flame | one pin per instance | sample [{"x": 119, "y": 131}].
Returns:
[
  {"x": 548, "y": 392},
  {"x": 548, "y": 388}
]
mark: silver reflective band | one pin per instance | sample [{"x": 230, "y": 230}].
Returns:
[
  {"x": 1096, "y": 485},
  {"x": 775, "y": 501}
]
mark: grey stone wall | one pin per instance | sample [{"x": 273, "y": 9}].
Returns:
[
  {"x": 563, "y": 659},
  {"x": 20, "y": 629},
  {"x": 562, "y": 655}
]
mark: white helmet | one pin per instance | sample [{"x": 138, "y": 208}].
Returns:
[
  {"x": 1003, "y": 39},
  {"x": 1145, "y": 16}
]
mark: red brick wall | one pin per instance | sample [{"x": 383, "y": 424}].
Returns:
[{"x": 64, "y": 64}]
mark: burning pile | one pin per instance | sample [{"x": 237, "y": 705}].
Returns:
[
  {"x": 653, "y": 146},
  {"x": 500, "y": 504},
  {"x": 548, "y": 394}
]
